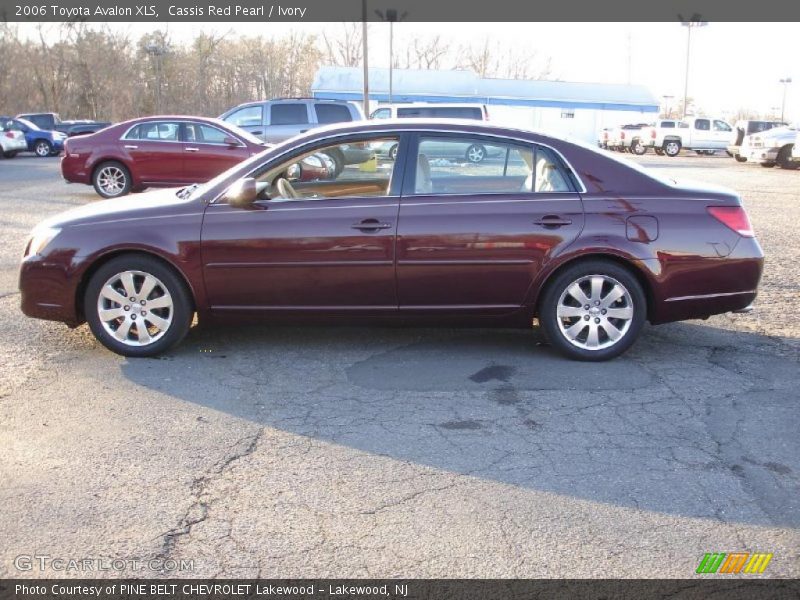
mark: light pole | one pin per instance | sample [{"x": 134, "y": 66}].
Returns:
[
  {"x": 694, "y": 21},
  {"x": 391, "y": 17},
  {"x": 364, "y": 52},
  {"x": 157, "y": 51},
  {"x": 785, "y": 83}
]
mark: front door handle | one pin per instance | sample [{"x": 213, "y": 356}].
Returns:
[
  {"x": 371, "y": 225},
  {"x": 130, "y": 147},
  {"x": 193, "y": 149},
  {"x": 553, "y": 221}
]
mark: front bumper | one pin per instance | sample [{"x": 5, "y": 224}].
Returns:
[
  {"x": 760, "y": 155},
  {"x": 48, "y": 288}
]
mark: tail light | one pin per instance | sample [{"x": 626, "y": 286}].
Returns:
[
  {"x": 622, "y": 135},
  {"x": 653, "y": 133},
  {"x": 9, "y": 135},
  {"x": 734, "y": 217}
]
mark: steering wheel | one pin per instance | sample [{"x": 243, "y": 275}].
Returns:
[{"x": 286, "y": 190}]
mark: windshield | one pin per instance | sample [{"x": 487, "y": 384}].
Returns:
[{"x": 245, "y": 135}]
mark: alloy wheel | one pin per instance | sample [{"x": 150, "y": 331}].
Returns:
[
  {"x": 476, "y": 153},
  {"x": 111, "y": 180},
  {"x": 135, "y": 308},
  {"x": 42, "y": 149},
  {"x": 594, "y": 312}
]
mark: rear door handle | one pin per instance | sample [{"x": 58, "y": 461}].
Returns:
[
  {"x": 553, "y": 221},
  {"x": 193, "y": 149},
  {"x": 371, "y": 225}
]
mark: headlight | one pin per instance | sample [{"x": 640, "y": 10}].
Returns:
[{"x": 39, "y": 239}]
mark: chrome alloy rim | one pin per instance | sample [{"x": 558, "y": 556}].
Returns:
[
  {"x": 111, "y": 180},
  {"x": 135, "y": 308},
  {"x": 475, "y": 154},
  {"x": 672, "y": 148},
  {"x": 594, "y": 312},
  {"x": 42, "y": 149}
]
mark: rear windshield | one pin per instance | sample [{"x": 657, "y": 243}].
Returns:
[{"x": 441, "y": 112}]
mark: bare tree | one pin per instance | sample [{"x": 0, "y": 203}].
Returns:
[{"x": 343, "y": 48}]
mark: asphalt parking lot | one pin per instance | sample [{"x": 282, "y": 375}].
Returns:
[{"x": 312, "y": 452}]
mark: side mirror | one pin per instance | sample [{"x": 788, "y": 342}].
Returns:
[
  {"x": 242, "y": 193},
  {"x": 231, "y": 141},
  {"x": 294, "y": 172}
]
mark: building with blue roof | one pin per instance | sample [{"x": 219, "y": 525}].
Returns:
[{"x": 565, "y": 108}]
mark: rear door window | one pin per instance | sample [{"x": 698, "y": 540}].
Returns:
[
  {"x": 288, "y": 113},
  {"x": 702, "y": 124},
  {"x": 332, "y": 113}
]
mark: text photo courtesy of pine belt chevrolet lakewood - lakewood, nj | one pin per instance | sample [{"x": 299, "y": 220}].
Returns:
[{"x": 387, "y": 299}]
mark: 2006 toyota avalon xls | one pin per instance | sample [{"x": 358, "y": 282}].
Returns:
[{"x": 590, "y": 245}]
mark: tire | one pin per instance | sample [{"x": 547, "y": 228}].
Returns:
[
  {"x": 659, "y": 151},
  {"x": 111, "y": 179},
  {"x": 174, "y": 312},
  {"x": 338, "y": 162},
  {"x": 560, "y": 313},
  {"x": 672, "y": 147},
  {"x": 393, "y": 152},
  {"x": 10, "y": 154},
  {"x": 42, "y": 148},
  {"x": 785, "y": 159},
  {"x": 638, "y": 148},
  {"x": 475, "y": 153},
  {"x": 739, "y": 158},
  {"x": 767, "y": 165}
]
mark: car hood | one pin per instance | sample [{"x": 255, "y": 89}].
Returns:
[{"x": 136, "y": 206}]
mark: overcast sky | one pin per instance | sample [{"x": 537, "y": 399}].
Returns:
[{"x": 733, "y": 65}]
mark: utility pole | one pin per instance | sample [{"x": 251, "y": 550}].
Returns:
[
  {"x": 364, "y": 52},
  {"x": 391, "y": 17},
  {"x": 694, "y": 21},
  {"x": 157, "y": 51}
]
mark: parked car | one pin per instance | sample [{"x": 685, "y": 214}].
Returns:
[
  {"x": 50, "y": 121},
  {"x": 704, "y": 135},
  {"x": 744, "y": 128},
  {"x": 11, "y": 140},
  {"x": 590, "y": 245},
  {"x": 39, "y": 141},
  {"x": 432, "y": 111},
  {"x": 162, "y": 152},
  {"x": 627, "y": 138},
  {"x": 282, "y": 118},
  {"x": 602, "y": 138},
  {"x": 653, "y": 135},
  {"x": 771, "y": 147}
]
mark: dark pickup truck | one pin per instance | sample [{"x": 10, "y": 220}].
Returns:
[{"x": 52, "y": 122}]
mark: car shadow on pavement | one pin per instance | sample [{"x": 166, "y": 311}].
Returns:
[{"x": 695, "y": 420}]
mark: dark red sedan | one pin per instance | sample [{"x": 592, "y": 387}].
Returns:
[
  {"x": 589, "y": 244},
  {"x": 163, "y": 152}
]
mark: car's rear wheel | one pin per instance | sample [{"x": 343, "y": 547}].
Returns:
[
  {"x": 672, "y": 147},
  {"x": 42, "y": 148},
  {"x": 137, "y": 306},
  {"x": 593, "y": 310},
  {"x": 638, "y": 148},
  {"x": 785, "y": 159},
  {"x": 111, "y": 180},
  {"x": 475, "y": 153}
]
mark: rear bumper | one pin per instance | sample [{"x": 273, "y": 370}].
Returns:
[
  {"x": 711, "y": 286},
  {"x": 14, "y": 145},
  {"x": 74, "y": 169}
]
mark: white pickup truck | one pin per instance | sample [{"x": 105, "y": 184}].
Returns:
[
  {"x": 772, "y": 147},
  {"x": 627, "y": 138},
  {"x": 704, "y": 135}
]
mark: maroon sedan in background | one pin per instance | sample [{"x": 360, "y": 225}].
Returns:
[
  {"x": 590, "y": 245},
  {"x": 162, "y": 152}
]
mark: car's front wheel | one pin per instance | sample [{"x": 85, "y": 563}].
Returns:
[
  {"x": 42, "y": 148},
  {"x": 593, "y": 310},
  {"x": 137, "y": 306},
  {"x": 785, "y": 159},
  {"x": 638, "y": 148},
  {"x": 111, "y": 180},
  {"x": 10, "y": 154},
  {"x": 672, "y": 147}
]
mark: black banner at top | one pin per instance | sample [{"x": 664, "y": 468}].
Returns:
[{"x": 411, "y": 10}]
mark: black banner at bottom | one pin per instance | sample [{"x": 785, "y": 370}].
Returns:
[{"x": 398, "y": 589}]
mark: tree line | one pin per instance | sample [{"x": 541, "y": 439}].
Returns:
[{"x": 98, "y": 72}]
